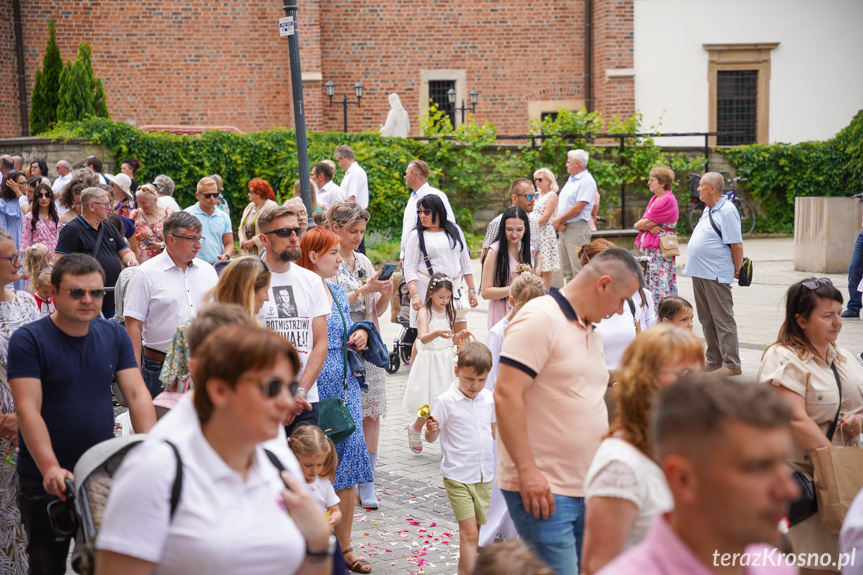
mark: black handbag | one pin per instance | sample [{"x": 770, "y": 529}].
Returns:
[
  {"x": 807, "y": 504},
  {"x": 334, "y": 417},
  {"x": 744, "y": 274}
]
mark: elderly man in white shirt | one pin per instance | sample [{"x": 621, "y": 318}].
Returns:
[
  {"x": 166, "y": 290},
  {"x": 328, "y": 192},
  {"x": 574, "y": 205},
  {"x": 417, "y": 179}
]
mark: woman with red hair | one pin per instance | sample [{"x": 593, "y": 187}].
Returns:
[
  {"x": 261, "y": 197},
  {"x": 320, "y": 248}
]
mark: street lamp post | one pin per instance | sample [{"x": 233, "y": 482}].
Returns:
[
  {"x": 474, "y": 98},
  {"x": 330, "y": 87},
  {"x": 290, "y": 7}
]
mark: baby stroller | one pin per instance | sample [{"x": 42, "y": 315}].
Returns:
[
  {"x": 403, "y": 344},
  {"x": 88, "y": 494}
]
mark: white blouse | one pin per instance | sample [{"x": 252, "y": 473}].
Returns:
[
  {"x": 443, "y": 258},
  {"x": 618, "y": 331},
  {"x": 621, "y": 471}
]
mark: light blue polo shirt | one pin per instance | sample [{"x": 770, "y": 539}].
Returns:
[
  {"x": 213, "y": 228},
  {"x": 578, "y": 188},
  {"x": 707, "y": 255}
]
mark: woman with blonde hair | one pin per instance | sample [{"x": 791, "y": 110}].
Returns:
[
  {"x": 369, "y": 298},
  {"x": 149, "y": 220},
  {"x": 659, "y": 219},
  {"x": 244, "y": 282},
  {"x": 624, "y": 486},
  {"x": 545, "y": 209}
]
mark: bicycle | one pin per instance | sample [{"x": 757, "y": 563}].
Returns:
[{"x": 747, "y": 214}]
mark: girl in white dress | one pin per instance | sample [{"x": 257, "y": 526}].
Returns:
[{"x": 433, "y": 370}]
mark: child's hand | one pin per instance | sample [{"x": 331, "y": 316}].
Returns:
[
  {"x": 334, "y": 517},
  {"x": 460, "y": 336},
  {"x": 432, "y": 425}
]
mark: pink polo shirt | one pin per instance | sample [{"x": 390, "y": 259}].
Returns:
[{"x": 663, "y": 553}]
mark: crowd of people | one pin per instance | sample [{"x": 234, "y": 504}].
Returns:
[{"x": 591, "y": 430}]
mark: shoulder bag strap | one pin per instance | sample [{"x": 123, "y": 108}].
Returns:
[
  {"x": 98, "y": 239},
  {"x": 425, "y": 254},
  {"x": 177, "y": 488},
  {"x": 344, "y": 336},
  {"x": 833, "y": 425},
  {"x": 715, "y": 227},
  {"x": 274, "y": 459}
]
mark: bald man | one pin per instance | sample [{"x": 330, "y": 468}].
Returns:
[{"x": 713, "y": 259}]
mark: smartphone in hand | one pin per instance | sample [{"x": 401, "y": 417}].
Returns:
[{"x": 387, "y": 272}]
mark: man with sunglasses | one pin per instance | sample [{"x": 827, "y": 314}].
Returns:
[
  {"x": 574, "y": 206},
  {"x": 90, "y": 233},
  {"x": 60, "y": 371},
  {"x": 216, "y": 223},
  {"x": 522, "y": 194},
  {"x": 165, "y": 291},
  {"x": 304, "y": 321}
]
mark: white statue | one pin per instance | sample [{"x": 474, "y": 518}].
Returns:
[{"x": 398, "y": 123}]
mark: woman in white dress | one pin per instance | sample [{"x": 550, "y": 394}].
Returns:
[
  {"x": 625, "y": 488},
  {"x": 17, "y": 308},
  {"x": 545, "y": 209},
  {"x": 438, "y": 246}
]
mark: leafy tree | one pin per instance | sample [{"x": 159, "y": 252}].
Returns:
[{"x": 43, "y": 105}]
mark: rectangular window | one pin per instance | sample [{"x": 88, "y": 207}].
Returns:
[
  {"x": 438, "y": 95},
  {"x": 736, "y": 107}
]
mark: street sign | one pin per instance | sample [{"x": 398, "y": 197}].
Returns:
[{"x": 286, "y": 26}]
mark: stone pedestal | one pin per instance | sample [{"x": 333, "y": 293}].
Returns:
[{"x": 825, "y": 229}]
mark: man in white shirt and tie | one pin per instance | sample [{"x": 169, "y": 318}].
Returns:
[
  {"x": 417, "y": 179},
  {"x": 328, "y": 191}
]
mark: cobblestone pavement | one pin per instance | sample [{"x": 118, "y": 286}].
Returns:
[{"x": 414, "y": 530}]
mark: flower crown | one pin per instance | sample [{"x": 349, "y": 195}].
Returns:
[{"x": 437, "y": 281}]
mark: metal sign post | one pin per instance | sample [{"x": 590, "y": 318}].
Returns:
[{"x": 288, "y": 27}]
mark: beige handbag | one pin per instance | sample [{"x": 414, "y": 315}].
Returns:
[{"x": 668, "y": 246}]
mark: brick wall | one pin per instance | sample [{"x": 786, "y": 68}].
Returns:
[
  {"x": 222, "y": 63},
  {"x": 613, "y": 50},
  {"x": 10, "y": 114}
]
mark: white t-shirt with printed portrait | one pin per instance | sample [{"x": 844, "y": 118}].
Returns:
[{"x": 297, "y": 297}]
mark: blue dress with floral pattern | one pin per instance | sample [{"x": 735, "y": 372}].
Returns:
[{"x": 354, "y": 466}]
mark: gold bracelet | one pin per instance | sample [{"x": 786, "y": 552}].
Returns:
[{"x": 359, "y": 294}]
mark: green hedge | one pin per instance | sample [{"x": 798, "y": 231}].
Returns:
[
  {"x": 778, "y": 173},
  {"x": 465, "y": 161}
]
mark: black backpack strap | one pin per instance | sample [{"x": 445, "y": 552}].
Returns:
[
  {"x": 275, "y": 460},
  {"x": 715, "y": 227},
  {"x": 177, "y": 488}
]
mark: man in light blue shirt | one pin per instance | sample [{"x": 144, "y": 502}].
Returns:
[
  {"x": 575, "y": 202},
  {"x": 219, "y": 239},
  {"x": 713, "y": 259}
]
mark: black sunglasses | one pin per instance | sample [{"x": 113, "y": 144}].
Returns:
[
  {"x": 273, "y": 387},
  {"x": 210, "y": 196},
  {"x": 78, "y": 293},
  {"x": 424, "y": 213},
  {"x": 285, "y": 232},
  {"x": 814, "y": 284},
  {"x": 43, "y": 195}
]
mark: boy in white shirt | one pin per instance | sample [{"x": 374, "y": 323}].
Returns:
[{"x": 462, "y": 416}]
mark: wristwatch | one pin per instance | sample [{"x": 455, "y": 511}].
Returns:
[
  {"x": 359, "y": 294},
  {"x": 321, "y": 556},
  {"x": 301, "y": 391}
]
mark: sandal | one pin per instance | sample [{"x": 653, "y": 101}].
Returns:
[
  {"x": 360, "y": 565},
  {"x": 415, "y": 441}
]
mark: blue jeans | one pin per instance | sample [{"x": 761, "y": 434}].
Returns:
[
  {"x": 150, "y": 370},
  {"x": 855, "y": 272},
  {"x": 556, "y": 540}
]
